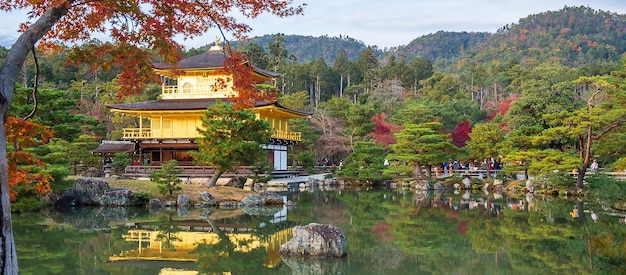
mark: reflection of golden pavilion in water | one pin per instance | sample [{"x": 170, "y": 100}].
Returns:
[{"x": 151, "y": 242}]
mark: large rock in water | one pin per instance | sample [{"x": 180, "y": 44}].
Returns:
[
  {"x": 315, "y": 240},
  {"x": 88, "y": 191}
]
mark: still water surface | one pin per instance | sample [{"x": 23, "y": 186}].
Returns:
[{"x": 387, "y": 232}]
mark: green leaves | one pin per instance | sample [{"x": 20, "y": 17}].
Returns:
[
  {"x": 167, "y": 178},
  {"x": 230, "y": 138}
]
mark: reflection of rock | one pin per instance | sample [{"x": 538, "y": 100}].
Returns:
[
  {"x": 89, "y": 218},
  {"x": 420, "y": 195},
  {"x": 65, "y": 202},
  {"x": 421, "y": 185},
  {"x": 440, "y": 188},
  {"x": 261, "y": 210},
  {"x": 271, "y": 197},
  {"x": 467, "y": 183},
  {"x": 315, "y": 240},
  {"x": 300, "y": 266}
]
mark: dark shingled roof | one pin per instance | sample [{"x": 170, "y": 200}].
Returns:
[
  {"x": 186, "y": 104},
  {"x": 211, "y": 59},
  {"x": 115, "y": 147},
  {"x": 170, "y": 104}
]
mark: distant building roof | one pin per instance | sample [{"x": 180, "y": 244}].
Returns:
[{"x": 108, "y": 146}]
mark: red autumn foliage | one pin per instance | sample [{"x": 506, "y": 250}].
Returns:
[
  {"x": 460, "y": 133},
  {"x": 139, "y": 33},
  {"x": 502, "y": 107},
  {"x": 382, "y": 231},
  {"x": 243, "y": 77},
  {"x": 25, "y": 134},
  {"x": 383, "y": 134}
]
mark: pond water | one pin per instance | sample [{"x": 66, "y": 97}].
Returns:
[{"x": 387, "y": 232}]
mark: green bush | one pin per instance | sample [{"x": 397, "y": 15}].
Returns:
[
  {"x": 167, "y": 178},
  {"x": 141, "y": 198}
]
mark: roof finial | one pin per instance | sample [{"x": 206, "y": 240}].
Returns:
[{"x": 217, "y": 46}]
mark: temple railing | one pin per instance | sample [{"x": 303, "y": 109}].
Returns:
[{"x": 146, "y": 133}]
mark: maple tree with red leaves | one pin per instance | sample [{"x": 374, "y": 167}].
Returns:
[
  {"x": 136, "y": 29},
  {"x": 383, "y": 134},
  {"x": 21, "y": 134},
  {"x": 460, "y": 133},
  {"x": 502, "y": 107}
]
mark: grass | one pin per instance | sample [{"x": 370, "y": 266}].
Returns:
[{"x": 192, "y": 190}]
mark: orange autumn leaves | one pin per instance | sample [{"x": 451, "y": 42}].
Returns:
[
  {"x": 21, "y": 135},
  {"x": 141, "y": 30},
  {"x": 243, "y": 78}
]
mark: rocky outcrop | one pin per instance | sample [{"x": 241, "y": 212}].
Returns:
[
  {"x": 117, "y": 197},
  {"x": 271, "y": 197},
  {"x": 156, "y": 204},
  {"x": 207, "y": 199},
  {"x": 93, "y": 191},
  {"x": 315, "y": 240},
  {"x": 92, "y": 172},
  {"x": 237, "y": 182},
  {"x": 252, "y": 200},
  {"x": 183, "y": 201},
  {"x": 88, "y": 191}
]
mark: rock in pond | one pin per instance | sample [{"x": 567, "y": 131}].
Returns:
[{"x": 315, "y": 240}]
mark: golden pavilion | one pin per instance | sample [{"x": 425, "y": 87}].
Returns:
[{"x": 168, "y": 126}]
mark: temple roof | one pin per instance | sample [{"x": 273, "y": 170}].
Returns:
[
  {"x": 212, "y": 59},
  {"x": 108, "y": 146},
  {"x": 188, "y": 105}
]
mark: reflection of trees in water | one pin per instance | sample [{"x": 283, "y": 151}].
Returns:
[
  {"x": 498, "y": 234},
  {"x": 605, "y": 241},
  {"x": 168, "y": 229},
  {"x": 223, "y": 257}
]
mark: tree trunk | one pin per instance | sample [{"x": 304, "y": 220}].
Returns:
[
  {"x": 420, "y": 172},
  {"x": 213, "y": 181},
  {"x": 8, "y": 75}
]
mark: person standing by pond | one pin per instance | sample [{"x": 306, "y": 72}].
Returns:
[{"x": 594, "y": 166}]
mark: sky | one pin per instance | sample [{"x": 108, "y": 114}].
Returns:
[{"x": 382, "y": 23}]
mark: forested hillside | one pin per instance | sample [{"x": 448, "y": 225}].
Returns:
[
  {"x": 303, "y": 49},
  {"x": 575, "y": 36}
]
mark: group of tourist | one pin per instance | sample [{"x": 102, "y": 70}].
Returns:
[{"x": 450, "y": 167}]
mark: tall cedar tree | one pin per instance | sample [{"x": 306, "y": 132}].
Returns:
[
  {"x": 230, "y": 138},
  {"x": 151, "y": 28}
]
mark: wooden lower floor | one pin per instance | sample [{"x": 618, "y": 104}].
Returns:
[{"x": 156, "y": 152}]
